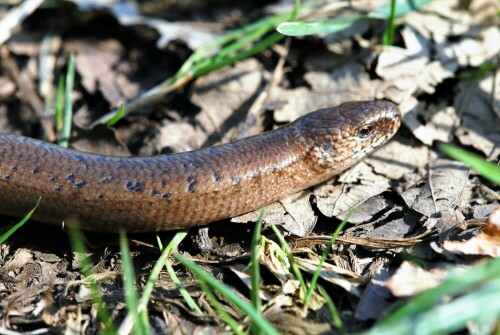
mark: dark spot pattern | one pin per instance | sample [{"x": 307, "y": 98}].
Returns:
[
  {"x": 134, "y": 186},
  {"x": 165, "y": 195},
  {"x": 58, "y": 188},
  {"x": 80, "y": 158},
  {"x": 217, "y": 177},
  {"x": 78, "y": 184},
  {"x": 36, "y": 170},
  {"x": 6, "y": 177},
  {"x": 192, "y": 184},
  {"x": 106, "y": 180},
  {"x": 13, "y": 168},
  {"x": 51, "y": 178},
  {"x": 255, "y": 174},
  {"x": 100, "y": 196},
  {"x": 235, "y": 179},
  {"x": 195, "y": 165},
  {"x": 70, "y": 177}
]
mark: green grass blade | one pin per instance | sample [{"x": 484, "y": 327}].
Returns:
[
  {"x": 257, "y": 319},
  {"x": 488, "y": 170},
  {"x": 68, "y": 106},
  {"x": 117, "y": 117},
  {"x": 434, "y": 312},
  {"x": 255, "y": 251},
  {"x": 59, "y": 105},
  {"x": 402, "y": 7},
  {"x": 451, "y": 286},
  {"x": 77, "y": 244},
  {"x": 337, "y": 321},
  {"x": 182, "y": 290},
  {"x": 324, "y": 26},
  {"x": 130, "y": 288},
  {"x": 127, "y": 324},
  {"x": 228, "y": 319},
  {"x": 291, "y": 259},
  {"x": 211, "y": 65},
  {"x": 484, "y": 70},
  {"x": 388, "y": 36},
  {"x": 18, "y": 225},
  {"x": 167, "y": 252},
  {"x": 223, "y": 51},
  {"x": 329, "y": 246}
]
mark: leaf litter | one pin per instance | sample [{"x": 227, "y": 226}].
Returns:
[{"x": 411, "y": 200}]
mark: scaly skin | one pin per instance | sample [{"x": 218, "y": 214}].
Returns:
[{"x": 194, "y": 188}]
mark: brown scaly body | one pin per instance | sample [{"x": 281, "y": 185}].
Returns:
[{"x": 193, "y": 188}]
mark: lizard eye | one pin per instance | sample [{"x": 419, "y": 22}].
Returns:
[{"x": 365, "y": 132}]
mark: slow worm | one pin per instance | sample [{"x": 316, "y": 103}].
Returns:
[{"x": 166, "y": 192}]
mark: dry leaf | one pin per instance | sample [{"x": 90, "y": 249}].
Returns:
[
  {"x": 97, "y": 63},
  {"x": 329, "y": 273},
  {"x": 293, "y": 214},
  {"x": 224, "y": 97},
  {"x": 358, "y": 184},
  {"x": 375, "y": 298},
  {"x": 442, "y": 189},
  {"x": 486, "y": 243},
  {"x": 439, "y": 126},
  {"x": 348, "y": 82},
  {"x": 398, "y": 157},
  {"x": 478, "y": 103},
  {"x": 410, "y": 279}
]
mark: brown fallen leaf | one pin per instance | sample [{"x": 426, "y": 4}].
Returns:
[
  {"x": 347, "y": 82},
  {"x": 485, "y": 243},
  {"x": 96, "y": 63},
  {"x": 293, "y": 214},
  {"x": 410, "y": 279},
  {"x": 442, "y": 189},
  {"x": 478, "y": 104}
]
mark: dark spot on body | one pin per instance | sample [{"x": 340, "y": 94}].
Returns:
[
  {"x": 195, "y": 165},
  {"x": 70, "y": 176},
  {"x": 58, "y": 188},
  {"x": 13, "y": 168},
  {"x": 134, "y": 186},
  {"x": 36, "y": 170},
  {"x": 100, "y": 196},
  {"x": 235, "y": 179},
  {"x": 165, "y": 195},
  {"x": 192, "y": 184},
  {"x": 255, "y": 174},
  {"x": 192, "y": 187},
  {"x": 164, "y": 182},
  {"x": 106, "y": 180},
  {"x": 51, "y": 178},
  {"x": 80, "y": 158},
  {"x": 217, "y": 177},
  {"x": 327, "y": 146},
  {"x": 6, "y": 177},
  {"x": 154, "y": 193},
  {"x": 79, "y": 184}
]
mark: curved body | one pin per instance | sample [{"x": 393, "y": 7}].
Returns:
[{"x": 177, "y": 191}]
